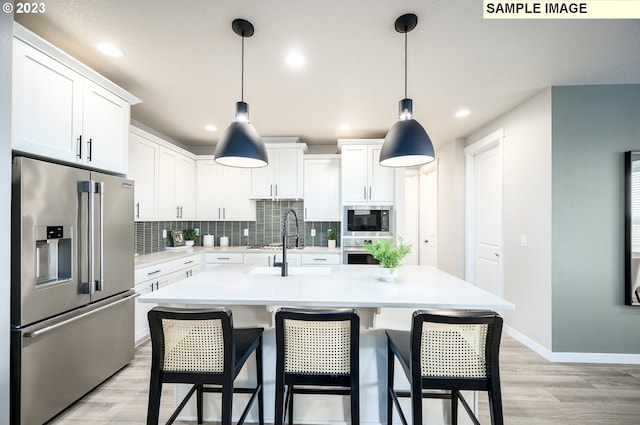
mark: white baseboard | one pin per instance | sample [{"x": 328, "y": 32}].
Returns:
[{"x": 560, "y": 357}]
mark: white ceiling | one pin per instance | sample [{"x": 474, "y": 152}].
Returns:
[{"x": 183, "y": 60}]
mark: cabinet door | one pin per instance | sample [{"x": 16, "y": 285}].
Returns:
[
  {"x": 167, "y": 205},
  {"x": 262, "y": 185},
  {"x": 186, "y": 187},
  {"x": 209, "y": 185},
  {"x": 321, "y": 193},
  {"x": 237, "y": 204},
  {"x": 145, "y": 158},
  {"x": 381, "y": 179},
  {"x": 288, "y": 175},
  {"x": 46, "y": 105},
  {"x": 105, "y": 126},
  {"x": 354, "y": 174}
]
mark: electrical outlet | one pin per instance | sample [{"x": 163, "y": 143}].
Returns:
[
  {"x": 197, "y": 231},
  {"x": 246, "y": 232},
  {"x": 313, "y": 232},
  {"x": 523, "y": 240},
  {"x": 164, "y": 234}
]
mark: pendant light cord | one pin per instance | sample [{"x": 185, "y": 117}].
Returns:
[
  {"x": 405, "y": 62},
  {"x": 242, "y": 72}
]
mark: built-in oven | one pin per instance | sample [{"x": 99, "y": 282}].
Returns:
[
  {"x": 365, "y": 221},
  {"x": 354, "y": 252}
]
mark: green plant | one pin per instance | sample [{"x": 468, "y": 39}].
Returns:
[
  {"x": 331, "y": 234},
  {"x": 189, "y": 234},
  {"x": 386, "y": 253}
]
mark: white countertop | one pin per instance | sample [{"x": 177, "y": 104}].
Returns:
[
  {"x": 345, "y": 286},
  {"x": 162, "y": 256}
]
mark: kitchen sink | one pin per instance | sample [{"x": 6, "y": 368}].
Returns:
[{"x": 276, "y": 271}]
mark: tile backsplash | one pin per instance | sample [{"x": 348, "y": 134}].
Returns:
[{"x": 265, "y": 230}]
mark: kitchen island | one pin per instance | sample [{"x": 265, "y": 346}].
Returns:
[{"x": 254, "y": 293}]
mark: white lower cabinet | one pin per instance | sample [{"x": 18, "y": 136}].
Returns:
[
  {"x": 152, "y": 278},
  {"x": 212, "y": 259},
  {"x": 312, "y": 259},
  {"x": 267, "y": 258}
]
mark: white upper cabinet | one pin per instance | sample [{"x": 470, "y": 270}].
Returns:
[
  {"x": 58, "y": 112},
  {"x": 322, "y": 188},
  {"x": 223, "y": 192},
  {"x": 283, "y": 177},
  {"x": 144, "y": 173},
  {"x": 176, "y": 185},
  {"x": 364, "y": 180}
]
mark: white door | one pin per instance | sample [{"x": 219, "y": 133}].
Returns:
[
  {"x": 484, "y": 213},
  {"x": 429, "y": 216},
  {"x": 411, "y": 216}
]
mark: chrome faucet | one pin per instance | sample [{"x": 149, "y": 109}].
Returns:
[{"x": 285, "y": 221}]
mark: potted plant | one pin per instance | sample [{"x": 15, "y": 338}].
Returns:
[
  {"x": 189, "y": 236},
  {"x": 331, "y": 236},
  {"x": 389, "y": 256}
]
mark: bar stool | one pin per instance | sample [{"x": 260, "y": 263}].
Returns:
[
  {"x": 447, "y": 350},
  {"x": 201, "y": 347},
  {"x": 317, "y": 348}
]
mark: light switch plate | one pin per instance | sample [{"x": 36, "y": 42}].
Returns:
[
  {"x": 246, "y": 232},
  {"x": 164, "y": 234},
  {"x": 313, "y": 232}
]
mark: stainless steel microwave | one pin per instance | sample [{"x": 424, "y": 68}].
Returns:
[{"x": 359, "y": 221}]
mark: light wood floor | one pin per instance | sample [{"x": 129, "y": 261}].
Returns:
[{"x": 534, "y": 391}]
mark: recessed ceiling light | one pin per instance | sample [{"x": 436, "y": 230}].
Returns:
[
  {"x": 462, "y": 113},
  {"x": 210, "y": 127},
  {"x": 295, "y": 60},
  {"x": 345, "y": 127},
  {"x": 109, "y": 49}
]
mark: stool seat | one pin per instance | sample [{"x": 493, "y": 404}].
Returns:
[
  {"x": 201, "y": 347},
  {"x": 446, "y": 350}
]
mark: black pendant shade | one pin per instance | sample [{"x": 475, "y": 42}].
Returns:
[
  {"x": 240, "y": 145},
  {"x": 407, "y": 144}
]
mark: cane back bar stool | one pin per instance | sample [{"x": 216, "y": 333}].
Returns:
[
  {"x": 317, "y": 352},
  {"x": 201, "y": 347},
  {"x": 451, "y": 351}
]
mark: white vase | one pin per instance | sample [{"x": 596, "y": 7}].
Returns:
[
  {"x": 331, "y": 243},
  {"x": 189, "y": 243},
  {"x": 385, "y": 274}
]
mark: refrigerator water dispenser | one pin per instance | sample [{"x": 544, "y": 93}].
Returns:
[{"x": 53, "y": 254}]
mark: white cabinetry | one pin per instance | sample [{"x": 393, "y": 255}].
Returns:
[
  {"x": 154, "y": 277},
  {"x": 283, "y": 177},
  {"x": 364, "y": 180},
  {"x": 266, "y": 258},
  {"x": 144, "y": 172},
  {"x": 223, "y": 192},
  {"x": 59, "y": 113},
  {"x": 322, "y": 188},
  {"x": 176, "y": 185},
  {"x": 212, "y": 259},
  {"x": 319, "y": 259}
]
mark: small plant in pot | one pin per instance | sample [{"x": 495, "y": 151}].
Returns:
[
  {"x": 331, "y": 236},
  {"x": 389, "y": 256},
  {"x": 189, "y": 236}
]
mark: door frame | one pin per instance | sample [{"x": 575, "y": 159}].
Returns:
[
  {"x": 430, "y": 168},
  {"x": 493, "y": 140}
]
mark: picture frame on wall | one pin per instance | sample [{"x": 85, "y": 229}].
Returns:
[{"x": 177, "y": 237}]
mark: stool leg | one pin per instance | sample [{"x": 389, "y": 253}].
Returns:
[
  {"x": 495, "y": 407},
  {"x": 355, "y": 401},
  {"x": 291, "y": 405},
  {"x": 454, "y": 407},
  {"x": 199, "y": 394},
  {"x": 227, "y": 403},
  {"x": 390, "y": 372},
  {"x": 259, "y": 380},
  {"x": 155, "y": 391},
  {"x": 279, "y": 410}
]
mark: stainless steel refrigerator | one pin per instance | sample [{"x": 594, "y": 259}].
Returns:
[{"x": 72, "y": 279}]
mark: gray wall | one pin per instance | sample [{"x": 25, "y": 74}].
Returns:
[
  {"x": 592, "y": 127},
  {"x": 6, "y": 43}
]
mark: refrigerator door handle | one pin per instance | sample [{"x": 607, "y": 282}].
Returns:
[
  {"x": 100, "y": 281},
  {"x": 42, "y": 331},
  {"x": 88, "y": 187}
]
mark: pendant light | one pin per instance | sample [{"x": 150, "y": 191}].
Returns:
[
  {"x": 240, "y": 145},
  {"x": 407, "y": 144}
]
